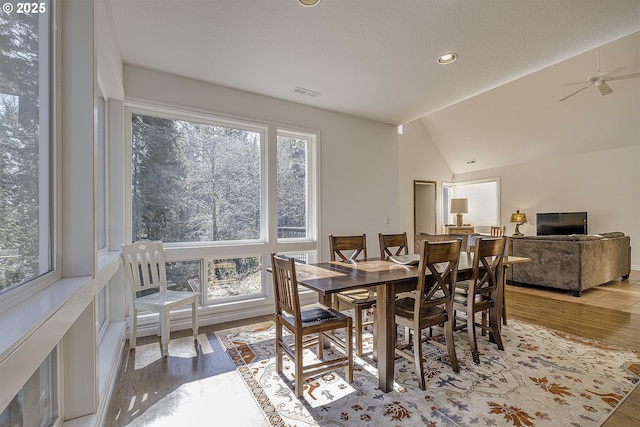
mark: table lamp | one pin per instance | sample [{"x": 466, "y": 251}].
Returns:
[
  {"x": 458, "y": 207},
  {"x": 519, "y": 219}
]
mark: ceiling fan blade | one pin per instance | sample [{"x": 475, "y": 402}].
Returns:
[
  {"x": 604, "y": 89},
  {"x": 610, "y": 73},
  {"x": 577, "y": 83},
  {"x": 626, "y": 76},
  {"x": 579, "y": 90}
]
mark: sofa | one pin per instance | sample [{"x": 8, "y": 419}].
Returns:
[{"x": 571, "y": 262}]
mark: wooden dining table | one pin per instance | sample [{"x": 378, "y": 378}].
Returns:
[{"x": 387, "y": 278}]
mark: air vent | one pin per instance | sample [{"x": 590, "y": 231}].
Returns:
[
  {"x": 307, "y": 92},
  {"x": 472, "y": 162}
]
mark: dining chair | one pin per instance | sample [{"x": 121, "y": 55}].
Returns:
[
  {"x": 349, "y": 249},
  {"x": 309, "y": 325},
  {"x": 497, "y": 231},
  {"x": 144, "y": 266},
  {"x": 482, "y": 292},
  {"x": 393, "y": 244},
  {"x": 437, "y": 274}
]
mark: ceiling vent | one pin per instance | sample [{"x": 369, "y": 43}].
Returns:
[{"x": 307, "y": 92}]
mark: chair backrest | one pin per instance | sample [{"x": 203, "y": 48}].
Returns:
[
  {"x": 488, "y": 261},
  {"x": 497, "y": 230},
  {"x": 343, "y": 245},
  {"x": 393, "y": 244},
  {"x": 440, "y": 259},
  {"x": 144, "y": 266},
  {"x": 285, "y": 287}
]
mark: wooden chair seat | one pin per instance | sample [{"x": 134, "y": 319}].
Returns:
[{"x": 405, "y": 310}]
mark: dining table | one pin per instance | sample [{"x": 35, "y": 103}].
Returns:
[{"x": 387, "y": 278}]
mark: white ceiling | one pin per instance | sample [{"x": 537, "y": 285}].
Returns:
[{"x": 376, "y": 59}]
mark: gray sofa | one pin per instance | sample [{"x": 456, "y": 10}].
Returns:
[{"x": 573, "y": 262}]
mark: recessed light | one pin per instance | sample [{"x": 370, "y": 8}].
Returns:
[
  {"x": 309, "y": 3},
  {"x": 447, "y": 58}
]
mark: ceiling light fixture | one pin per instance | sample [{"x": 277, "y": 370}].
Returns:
[
  {"x": 309, "y": 3},
  {"x": 447, "y": 58}
]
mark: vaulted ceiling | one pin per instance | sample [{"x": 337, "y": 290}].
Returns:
[{"x": 376, "y": 59}]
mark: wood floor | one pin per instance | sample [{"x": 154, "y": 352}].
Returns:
[{"x": 149, "y": 387}]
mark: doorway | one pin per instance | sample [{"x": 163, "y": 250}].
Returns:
[{"x": 425, "y": 210}]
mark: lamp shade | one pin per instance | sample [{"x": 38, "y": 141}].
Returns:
[
  {"x": 519, "y": 217},
  {"x": 459, "y": 206}
]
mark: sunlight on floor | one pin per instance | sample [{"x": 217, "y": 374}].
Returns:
[
  {"x": 218, "y": 400},
  {"x": 146, "y": 354}
]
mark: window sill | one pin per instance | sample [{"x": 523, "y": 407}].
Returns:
[{"x": 25, "y": 318}]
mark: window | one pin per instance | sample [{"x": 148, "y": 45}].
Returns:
[
  {"x": 25, "y": 176},
  {"x": 199, "y": 184},
  {"x": 293, "y": 199},
  {"x": 483, "y": 198},
  {"x": 194, "y": 182},
  {"x": 35, "y": 404}
]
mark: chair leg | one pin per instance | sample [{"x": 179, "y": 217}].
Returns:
[
  {"x": 133, "y": 327},
  {"x": 298, "y": 366},
  {"x": 165, "y": 333},
  {"x": 494, "y": 324},
  {"x": 484, "y": 322},
  {"x": 417, "y": 355},
  {"x": 504, "y": 310},
  {"x": 349, "y": 351},
  {"x": 279, "y": 345},
  {"x": 503, "y": 299},
  {"x": 471, "y": 330},
  {"x": 321, "y": 344},
  {"x": 194, "y": 320},
  {"x": 451, "y": 348},
  {"x": 359, "y": 331}
]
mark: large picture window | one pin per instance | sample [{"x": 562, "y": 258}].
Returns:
[
  {"x": 25, "y": 175},
  {"x": 194, "y": 182},
  {"x": 200, "y": 185}
]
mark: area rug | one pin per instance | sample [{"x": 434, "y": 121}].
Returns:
[{"x": 542, "y": 378}]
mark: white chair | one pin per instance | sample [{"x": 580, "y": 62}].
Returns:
[{"x": 144, "y": 266}]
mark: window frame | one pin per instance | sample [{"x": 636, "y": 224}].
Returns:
[
  {"x": 203, "y": 251},
  {"x": 50, "y": 218},
  {"x": 311, "y": 224},
  {"x": 102, "y": 164},
  {"x": 450, "y": 188}
]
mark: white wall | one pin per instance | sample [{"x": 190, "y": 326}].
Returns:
[
  {"x": 419, "y": 160},
  {"x": 358, "y": 158},
  {"x": 605, "y": 184}
]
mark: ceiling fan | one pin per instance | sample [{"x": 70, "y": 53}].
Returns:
[{"x": 600, "y": 80}]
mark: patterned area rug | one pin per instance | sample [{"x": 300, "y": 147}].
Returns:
[{"x": 543, "y": 378}]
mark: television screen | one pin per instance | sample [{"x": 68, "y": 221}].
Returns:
[{"x": 561, "y": 223}]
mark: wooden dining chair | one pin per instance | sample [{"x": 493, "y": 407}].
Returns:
[
  {"x": 437, "y": 274},
  {"x": 393, "y": 244},
  {"x": 482, "y": 292},
  {"x": 349, "y": 249},
  {"x": 309, "y": 325},
  {"x": 144, "y": 267}
]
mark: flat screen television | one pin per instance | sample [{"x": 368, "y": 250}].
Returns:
[{"x": 561, "y": 223}]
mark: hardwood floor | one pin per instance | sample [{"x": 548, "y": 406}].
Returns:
[{"x": 150, "y": 388}]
